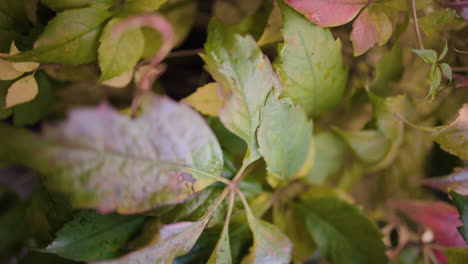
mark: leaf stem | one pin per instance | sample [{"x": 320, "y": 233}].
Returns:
[
  {"x": 416, "y": 24},
  {"x": 220, "y": 179},
  {"x": 217, "y": 203},
  {"x": 229, "y": 212},
  {"x": 244, "y": 201},
  {"x": 158, "y": 23}
]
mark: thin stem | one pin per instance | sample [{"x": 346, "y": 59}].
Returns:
[
  {"x": 460, "y": 69},
  {"x": 244, "y": 201},
  {"x": 416, "y": 25},
  {"x": 184, "y": 53},
  {"x": 239, "y": 173},
  {"x": 229, "y": 212},
  {"x": 217, "y": 203}
]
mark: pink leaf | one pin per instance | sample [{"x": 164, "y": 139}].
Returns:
[
  {"x": 372, "y": 26},
  {"x": 457, "y": 181},
  {"x": 328, "y": 13}
]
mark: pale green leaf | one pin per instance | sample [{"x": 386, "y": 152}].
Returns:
[
  {"x": 429, "y": 56},
  {"x": 7, "y": 71},
  {"x": 69, "y": 38},
  {"x": 91, "y": 236},
  {"x": 270, "y": 244},
  {"x": 22, "y": 66},
  {"x": 310, "y": 64},
  {"x": 443, "y": 53},
  {"x": 119, "y": 54},
  {"x": 107, "y": 161},
  {"x": 330, "y": 153},
  {"x": 370, "y": 146},
  {"x": 342, "y": 233},
  {"x": 446, "y": 70},
  {"x": 454, "y": 137},
  {"x": 246, "y": 78},
  {"x": 284, "y": 138}
]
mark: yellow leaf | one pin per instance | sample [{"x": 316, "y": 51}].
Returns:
[
  {"x": 206, "y": 99},
  {"x": 120, "y": 81},
  {"x": 7, "y": 71},
  {"x": 22, "y": 66},
  {"x": 21, "y": 91}
]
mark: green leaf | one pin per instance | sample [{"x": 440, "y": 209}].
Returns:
[
  {"x": 310, "y": 64},
  {"x": 370, "y": 146},
  {"x": 446, "y": 70},
  {"x": 435, "y": 77},
  {"x": 329, "y": 158},
  {"x": 342, "y": 233},
  {"x": 140, "y": 6},
  {"x": 181, "y": 15},
  {"x": 75, "y": 45},
  {"x": 91, "y": 236},
  {"x": 443, "y": 53},
  {"x": 429, "y": 56},
  {"x": 388, "y": 71},
  {"x": 270, "y": 244},
  {"x": 33, "y": 111},
  {"x": 284, "y": 138},
  {"x": 436, "y": 23},
  {"x": 173, "y": 240},
  {"x": 454, "y": 137},
  {"x": 461, "y": 202},
  {"x": 272, "y": 31},
  {"x": 60, "y": 5},
  {"x": 246, "y": 77},
  {"x": 107, "y": 161},
  {"x": 119, "y": 54},
  {"x": 222, "y": 252},
  {"x": 206, "y": 99},
  {"x": 456, "y": 255},
  {"x": 13, "y": 22}
]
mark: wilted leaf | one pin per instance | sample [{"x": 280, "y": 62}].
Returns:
[
  {"x": 285, "y": 139},
  {"x": 456, "y": 181},
  {"x": 454, "y": 137},
  {"x": 461, "y": 202},
  {"x": 326, "y": 13},
  {"x": 206, "y": 99},
  {"x": 354, "y": 240},
  {"x": 119, "y": 54},
  {"x": 173, "y": 240},
  {"x": 91, "y": 236},
  {"x": 372, "y": 26},
  {"x": 72, "y": 32},
  {"x": 246, "y": 77},
  {"x": 21, "y": 91},
  {"x": 440, "y": 217},
  {"x": 310, "y": 64},
  {"x": 107, "y": 161}
]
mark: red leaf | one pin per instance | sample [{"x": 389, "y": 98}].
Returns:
[
  {"x": 457, "y": 181},
  {"x": 328, "y": 13},
  {"x": 372, "y": 26},
  {"x": 440, "y": 217}
]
